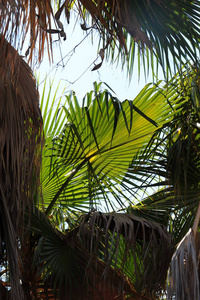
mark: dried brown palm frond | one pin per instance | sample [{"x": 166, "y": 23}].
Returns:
[
  {"x": 20, "y": 137},
  {"x": 19, "y": 18},
  {"x": 115, "y": 15},
  {"x": 183, "y": 276},
  {"x": 183, "y": 272},
  {"x": 27, "y": 17}
]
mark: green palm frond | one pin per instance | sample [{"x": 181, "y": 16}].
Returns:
[
  {"x": 147, "y": 33},
  {"x": 86, "y": 162},
  {"x": 172, "y": 160},
  {"x": 57, "y": 253}
]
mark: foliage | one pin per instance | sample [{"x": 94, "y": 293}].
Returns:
[
  {"x": 82, "y": 144},
  {"x": 177, "y": 203},
  {"x": 153, "y": 31},
  {"x": 20, "y": 139},
  {"x": 102, "y": 155},
  {"x": 96, "y": 145}
]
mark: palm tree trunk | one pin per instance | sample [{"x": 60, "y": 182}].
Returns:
[{"x": 196, "y": 223}]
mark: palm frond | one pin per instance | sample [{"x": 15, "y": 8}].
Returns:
[
  {"x": 145, "y": 31},
  {"x": 157, "y": 30},
  {"x": 169, "y": 166},
  {"x": 183, "y": 271},
  {"x": 62, "y": 263},
  {"x": 20, "y": 139},
  {"x": 87, "y": 161},
  {"x": 24, "y": 17},
  {"x": 129, "y": 242}
]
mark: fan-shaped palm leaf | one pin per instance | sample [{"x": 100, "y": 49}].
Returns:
[
  {"x": 130, "y": 243},
  {"x": 66, "y": 262},
  {"x": 174, "y": 158},
  {"x": 162, "y": 30},
  {"x": 62, "y": 262},
  {"x": 174, "y": 155},
  {"x": 87, "y": 161}
]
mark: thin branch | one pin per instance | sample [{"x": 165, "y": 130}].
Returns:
[
  {"x": 62, "y": 59},
  {"x": 81, "y": 74}
]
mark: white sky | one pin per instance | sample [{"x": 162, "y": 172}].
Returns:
[{"x": 78, "y": 61}]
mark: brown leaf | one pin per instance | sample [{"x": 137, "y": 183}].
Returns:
[
  {"x": 101, "y": 53},
  {"x": 63, "y": 34},
  {"x": 57, "y": 17},
  {"x": 60, "y": 25},
  {"x": 58, "y": 13},
  {"x": 84, "y": 27},
  {"x": 96, "y": 67},
  {"x": 67, "y": 14},
  {"x": 52, "y": 31},
  {"x": 27, "y": 51}
]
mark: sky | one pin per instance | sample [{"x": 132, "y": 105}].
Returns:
[{"x": 73, "y": 62}]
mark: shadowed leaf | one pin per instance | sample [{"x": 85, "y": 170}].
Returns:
[{"x": 126, "y": 240}]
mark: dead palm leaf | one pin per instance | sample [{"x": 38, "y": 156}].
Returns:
[
  {"x": 21, "y": 18},
  {"x": 183, "y": 277},
  {"x": 20, "y": 135}
]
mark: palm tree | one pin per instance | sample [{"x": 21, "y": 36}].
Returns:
[
  {"x": 176, "y": 204},
  {"x": 87, "y": 153},
  {"x": 86, "y": 176},
  {"x": 104, "y": 152},
  {"x": 85, "y": 165}
]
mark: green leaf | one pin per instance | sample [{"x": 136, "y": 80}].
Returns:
[{"x": 87, "y": 161}]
